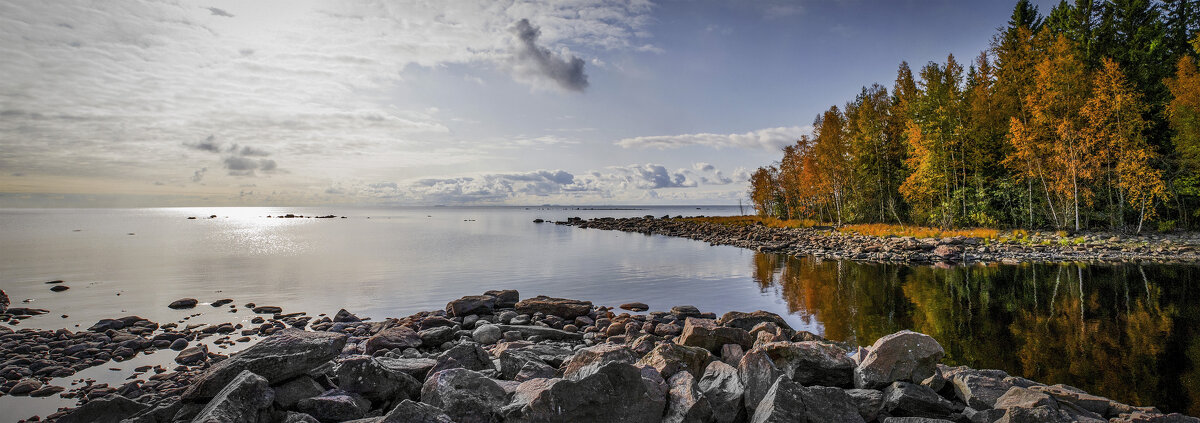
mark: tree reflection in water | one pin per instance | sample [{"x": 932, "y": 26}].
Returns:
[{"x": 1130, "y": 332}]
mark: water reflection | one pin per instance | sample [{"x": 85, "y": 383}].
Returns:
[{"x": 1130, "y": 332}]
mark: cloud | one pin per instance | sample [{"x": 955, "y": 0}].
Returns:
[
  {"x": 209, "y": 144},
  {"x": 767, "y": 139},
  {"x": 198, "y": 175},
  {"x": 219, "y": 12},
  {"x": 532, "y": 61}
]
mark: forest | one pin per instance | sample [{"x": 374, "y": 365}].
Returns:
[{"x": 1087, "y": 117}]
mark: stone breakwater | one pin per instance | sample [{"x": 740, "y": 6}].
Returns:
[
  {"x": 498, "y": 358},
  {"x": 829, "y": 243}
]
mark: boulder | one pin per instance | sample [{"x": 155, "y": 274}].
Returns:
[
  {"x": 561, "y": 307},
  {"x": 635, "y": 306},
  {"x": 670, "y": 358},
  {"x": 758, "y": 374},
  {"x": 409, "y": 411},
  {"x": 904, "y": 399},
  {"x": 682, "y": 312},
  {"x": 183, "y": 303},
  {"x": 395, "y": 337},
  {"x": 781, "y": 403},
  {"x": 335, "y": 406},
  {"x": 466, "y": 396},
  {"x": 829, "y": 404},
  {"x": 25, "y": 386},
  {"x": 471, "y": 304},
  {"x": 686, "y": 403},
  {"x": 747, "y": 321},
  {"x": 902, "y": 356},
  {"x": 192, "y": 355},
  {"x": 344, "y": 316},
  {"x": 369, "y": 377},
  {"x": 587, "y": 360},
  {"x": 534, "y": 370},
  {"x": 869, "y": 402},
  {"x": 286, "y": 354},
  {"x": 1074, "y": 396},
  {"x": 544, "y": 332},
  {"x": 705, "y": 333},
  {"x": 438, "y": 336},
  {"x": 812, "y": 362},
  {"x": 4, "y": 302},
  {"x": 110, "y": 409},
  {"x": 979, "y": 389},
  {"x": 614, "y": 392},
  {"x": 723, "y": 389},
  {"x": 788, "y": 401},
  {"x": 505, "y": 298},
  {"x": 487, "y": 334},
  {"x": 287, "y": 394},
  {"x": 467, "y": 355},
  {"x": 1144, "y": 417},
  {"x": 241, "y": 401},
  {"x": 418, "y": 367},
  {"x": 513, "y": 360}
]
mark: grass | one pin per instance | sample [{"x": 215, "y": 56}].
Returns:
[{"x": 872, "y": 229}]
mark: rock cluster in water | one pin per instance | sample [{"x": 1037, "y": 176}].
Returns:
[
  {"x": 497, "y": 358},
  {"x": 827, "y": 243}
]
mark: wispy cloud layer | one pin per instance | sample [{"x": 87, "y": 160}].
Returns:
[{"x": 766, "y": 139}]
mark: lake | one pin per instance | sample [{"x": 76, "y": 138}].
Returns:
[{"x": 1129, "y": 332}]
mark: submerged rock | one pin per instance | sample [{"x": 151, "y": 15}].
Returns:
[{"x": 183, "y": 303}]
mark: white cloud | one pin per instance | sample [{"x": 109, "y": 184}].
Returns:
[{"x": 766, "y": 139}]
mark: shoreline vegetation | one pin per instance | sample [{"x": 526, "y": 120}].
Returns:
[
  {"x": 1087, "y": 117},
  {"x": 908, "y": 244},
  {"x": 499, "y": 358}
]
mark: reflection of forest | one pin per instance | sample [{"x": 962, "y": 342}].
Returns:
[{"x": 1130, "y": 332}]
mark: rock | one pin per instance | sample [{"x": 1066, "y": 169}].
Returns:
[
  {"x": 286, "y": 354},
  {"x": 369, "y": 377},
  {"x": 732, "y": 354},
  {"x": 268, "y": 310},
  {"x": 758, "y": 374},
  {"x": 334, "y": 406},
  {"x": 705, "y": 333},
  {"x": 393, "y": 338},
  {"x": 561, "y": 307},
  {"x": 25, "y": 386},
  {"x": 723, "y": 389},
  {"x": 179, "y": 344},
  {"x": 344, "y": 316},
  {"x": 435, "y": 322},
  {"x": 4, "y": 302},
  {"x": 904, "y": 399},
  {"x": 682, "y": 312},
  {"x": 289, "y": 393},
  {"x": 686, "y": 403},
  {"x": 534, "y": 370},
  {"x": 513, "y": 361},
  {"x": 788, "y": 401},
  {"x": 221, "y": 302},
  {"x": 466, "y": 396},
  {"x": 409, "y": 411},
  {"x": 294, "y": 417},
  {"x": 902, "y": 356},
  {"x": 980, "y": 389},
  {"x": 546, "y": 333},
  {"x": 466, "y": 355},
  {"x": 1018, "y": 397},
  {"x": 505, "y": 298},
  {"x": 437, "y": 336},
  {"x": 812, "y": 362},
  {"x": 587, "y": 360},
  {"x": 635, "y": 306},
  {"x": 193, "y": 355},
  {"x": 1071, "y": 395},
  {"x": 1143, "y": 417},
  {"x": 105, "y": 325},
  {"x": 59, "y": 288},
  {"x": 487, "y": 334},
  {"x": 110, "y": 409},
  {"x": 241, "y": 401},
  {"x": 418, "y": 368},
  {"x": 669, "y": 359},
  {"x": 471, "y": 304},
  {"x": 46, "y": 390},
  {"x": 869, "y": 402},
  {"x": 183, "y": 303},
  {"x": 614, "y": 392},
  {"x": 829, "y": 404},
  {"x": 747, "y": 321}
]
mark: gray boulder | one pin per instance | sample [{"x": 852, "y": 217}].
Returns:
[
  {"x": 487, "y": 334},
  {"x": 904, "y": 399},
  {"x": 335, "y": 406},
  {"x": 979, "y": 389},
  {"x": 505, "y": 298},
  {"x": 561, "y": 307},
  {"x": 438, "y": 335},
  {"x": 287, "y": 394},
  {"x": 467, "y": 355},
  {"x": 758, "y": 374},
  {"x": 686, "y": 403},
  {"x": 418, "y": 368},
  {"x": 110, "y": 409},
  {"x": 279, "y": 357},
  {"x": 369, "y": 377},
  {"x": 471, "y": 304},
  {"x": 902, "y": 356},
  {"x": 409, "y": 411},
  {"x": 395, "y": 337},
  {"x": 705, "y": 333},
  {"x": 670, "y": 358},
  {"x": 747, "y": 321},
  {"x": 512, "y": 361},
  {"x": 466, "y": 396},
  {"x": 587, "y": 360},
  {"x": 723, "y": 389},
  {"x": 614, "y": 392},
  {"x": 869, "y": 402},
  {"x": 239, "y": 402}
]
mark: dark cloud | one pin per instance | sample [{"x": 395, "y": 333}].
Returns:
[
  {"x": 251, "y": 151},
  {"x": 654, "y": 176},
  {"x": 198, "y": 175},
  {"x": 219, "y": 12},
  {"x": 533, "y": 59},
  {"x": 238, "y": 160},
  {"x": 209, "y": 144}
]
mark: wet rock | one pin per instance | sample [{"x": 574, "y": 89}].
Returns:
[
  {"x": 46, "y": 390},
  {"x": 901, "y": 356},
  {"x": 25, "y": 386},
  {"x": 670, "y": 358},
  {"x": 409, "y": 411},
  {"x": 869, "y": 402},
  {"x": 904, "y": 399},
  {"x": 59, "y": 288},
  {"x": 241, "y": 401},
  {"x": 369, "y": 377},
  {"x": 221, "y": 302},
  {"x": 466, "y": 396},
  {"x": 335, "y": 406},
  {"x": 747, "y": 321},
  {"x": 183, "y": 303},
  {"x": 635, "y": 306},
  {"x": 284, "y": 355},
  {"x": 110, "y": 409},
  {"x": 193, "y": 355},
  {"x": 614, "y": 392},
  {"x": 466, "y": 356},
  {"x": 487, "y": 334},
  {"x": 685, "y": 311},
  {"x": 561, "y": 307},
  {"x": 396, "y": 337},
  {"x": 344, "y": 316},
  {"x": 105, "y": 325},
  {"x": 705, "y": 333},
  {"x": 471, "y": 304},
  {"x": 587, "y": 360},
  {"x": 686, "y": 403},
  {"x": 287, "y": 394},
  {"x": 268, "y": 310},
  {"x": 723, "y": 389},
  {"x": 179, "y": 344}
]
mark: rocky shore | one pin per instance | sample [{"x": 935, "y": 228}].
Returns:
[
  {"x": 499, "y": 358},
  {"x": 828, "y": 243}
]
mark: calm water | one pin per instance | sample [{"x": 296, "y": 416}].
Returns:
[{"x": 1128, "y": 332}]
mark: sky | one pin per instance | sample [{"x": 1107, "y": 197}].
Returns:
[{"x": 463, "y": 102}]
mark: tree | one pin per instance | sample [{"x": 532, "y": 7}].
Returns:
[
  {"x": 831, "y": 155},
  {"x": 1183, "y": 111},
  {"x": 934, "y": 136},
  {"x": 877, "y": 154},
  {"x": 762, "y": 190}
]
